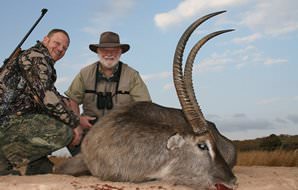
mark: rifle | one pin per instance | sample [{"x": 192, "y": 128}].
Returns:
[{"x": 17, "y": 51}]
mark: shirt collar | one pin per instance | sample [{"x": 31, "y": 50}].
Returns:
[
  {"x": 39, "y": 45},
  {"x": 115, "y": 69},
  {"x": 114, "y": 78}
]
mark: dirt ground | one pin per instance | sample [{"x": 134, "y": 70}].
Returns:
[{"x": 249, "y": 178}]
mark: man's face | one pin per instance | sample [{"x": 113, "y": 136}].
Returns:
[
  {"x": 109, "y": 57},
  {"x": 57, "y": 45}
]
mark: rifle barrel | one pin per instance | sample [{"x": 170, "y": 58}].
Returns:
[{"x": 43, "y": 12}]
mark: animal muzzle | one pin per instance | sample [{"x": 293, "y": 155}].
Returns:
[
  {"x": 222, "y": 187},
  {"x": 231, "y": 186}
]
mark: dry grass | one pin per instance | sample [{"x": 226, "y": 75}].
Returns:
[{"x": 268, "y": 158}]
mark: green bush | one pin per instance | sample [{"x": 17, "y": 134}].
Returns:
[{"x": 270, "y": 143}]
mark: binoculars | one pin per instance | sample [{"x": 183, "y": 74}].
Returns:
[{"x": 104, "y": 100}]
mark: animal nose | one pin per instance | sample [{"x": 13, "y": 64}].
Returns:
[
  {"x": 222, "y": 187},
  {"x": 231, "y": 186}
]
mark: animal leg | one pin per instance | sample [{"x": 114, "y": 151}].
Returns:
[{"x": 74, "y": 166}]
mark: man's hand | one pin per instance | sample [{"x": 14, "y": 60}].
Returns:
[
  {"x": 86, "y": 121},
  {"x": 77, "y": 136}
]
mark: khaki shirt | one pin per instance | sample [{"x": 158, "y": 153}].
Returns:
[{"x": 131, "y": 88}]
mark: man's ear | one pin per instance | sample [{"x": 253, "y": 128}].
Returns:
[
  {"x": 45, "y": 40},
  {"x": 175, "y": 141}
]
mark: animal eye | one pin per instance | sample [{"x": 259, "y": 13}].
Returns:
[{"x": 202, "y": 146}]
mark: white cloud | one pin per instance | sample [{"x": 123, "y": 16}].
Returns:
[
  {"x": 274, "y": 18},
  {"x": 247, "y": 39},
  {"x": 216, "y": 62},
  {"x": 271, "y": 61},
  {"x": 268, "y": 101},
  {"x": 108, "y": 14},
  {"x": 168, "y": 87},
  {"x": 189, "y": 8},
  {"x": 62, "y": 80},
  {"x": 157, "y": 76},
  {"x": 237, "y": 58},
  {"x": 241, "y": 57}
]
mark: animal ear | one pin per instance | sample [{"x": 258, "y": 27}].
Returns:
[{"x": 175, "y": 141}]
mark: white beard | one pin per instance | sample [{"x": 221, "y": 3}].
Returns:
[{"x": 109, "y": 62}]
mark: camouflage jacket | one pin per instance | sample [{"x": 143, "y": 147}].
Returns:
[{"x": 28, "y": 87}]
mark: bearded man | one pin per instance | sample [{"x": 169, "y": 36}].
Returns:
[{"x": 105, "y": 84}]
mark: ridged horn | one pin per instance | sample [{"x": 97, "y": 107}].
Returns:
[
  {"x": 185, "y": 102},
  {"x": 196, "y": 113}
]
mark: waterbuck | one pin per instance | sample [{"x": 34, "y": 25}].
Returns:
[{"x": 144, "y": 141}]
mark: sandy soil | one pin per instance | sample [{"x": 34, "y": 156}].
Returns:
[{"x": 249, "y": 178}]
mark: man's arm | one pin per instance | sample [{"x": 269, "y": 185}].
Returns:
[
  {"x": 38, "y": 73},
  {"x": 76, "y": 93},
  {"x": 139, "y": 90},
  {"x": 74, "y": 107}
]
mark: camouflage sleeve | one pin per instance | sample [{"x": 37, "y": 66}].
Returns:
[{"x": 40, "y": 76}]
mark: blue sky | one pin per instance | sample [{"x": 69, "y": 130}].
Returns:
[{"x": 245, "y": 81}]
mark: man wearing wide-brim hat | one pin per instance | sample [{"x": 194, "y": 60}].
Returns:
[{"x": 105, "y": 84}]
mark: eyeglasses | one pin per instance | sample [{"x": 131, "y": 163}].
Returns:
[{"x": 104, "y": 100}]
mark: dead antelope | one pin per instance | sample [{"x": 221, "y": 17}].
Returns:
[{"x": 145, "y": 141}]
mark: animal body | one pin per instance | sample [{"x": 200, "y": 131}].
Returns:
[{"x": 144, "y": 141}]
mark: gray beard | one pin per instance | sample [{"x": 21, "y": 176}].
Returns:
[{"x": 108, "y": 63}]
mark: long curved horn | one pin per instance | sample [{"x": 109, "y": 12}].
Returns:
[
  {"x": 178, "y": 76},
  {"x": 196, "y": 113}
]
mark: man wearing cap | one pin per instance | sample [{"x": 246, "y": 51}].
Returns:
[{"x": 105, "y": 84}]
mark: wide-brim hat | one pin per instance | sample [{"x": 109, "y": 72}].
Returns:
[{"x": 109, "y": 40}]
